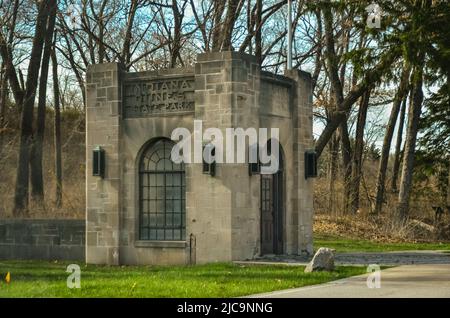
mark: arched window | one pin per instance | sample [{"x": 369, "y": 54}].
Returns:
[{"x": 162, "y": 199}]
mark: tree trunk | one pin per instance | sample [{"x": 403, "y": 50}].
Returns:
[
  {"x": 101, "y": 31},
  {"x": 3, "y": 98},
  {"x": 448, "y": 188},
  {"x": 37, "y": 179},
  {"x": 126, "y": 49},
  {"x": 346, "y": 163},
  {"x": 233, "y": 10},
  {"x": 358, "y": 153},
  {"x": 58, "y": 160},
  {"x": 258, "y": 34},
  {"x": 381, "y": 179},
  {"x": 6, "y": 71},
  {"x": 332, "y": 173},
  {"x": 26, "y": 125},
  {"x": 176, "y": 43},
  {"x": 410, "y": 144},
  {"x": 219, "y": 8},
  {"x": 318, "y": 61},
  {"x": 398, "y": 146}
]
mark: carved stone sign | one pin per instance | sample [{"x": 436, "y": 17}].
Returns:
[{"x": 159, "y": 96}]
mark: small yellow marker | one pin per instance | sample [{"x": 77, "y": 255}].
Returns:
[{"x": 8, "y": 278}]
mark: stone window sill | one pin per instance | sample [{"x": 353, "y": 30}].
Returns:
[{"x": 161, "y": 244}]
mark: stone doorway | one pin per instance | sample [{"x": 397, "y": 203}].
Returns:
[{"x": 272, "y": 211}]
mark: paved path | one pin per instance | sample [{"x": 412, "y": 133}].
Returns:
[{"x": 406, "y": 281}]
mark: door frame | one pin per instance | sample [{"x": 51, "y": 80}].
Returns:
[{"x": 278, "y": 199}]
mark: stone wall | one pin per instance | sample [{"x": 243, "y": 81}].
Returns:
[
  {"x": 42, "y": 239},
  {"x": 103, "y": 128},
  {"x": 222, "y": 213},
  {"x": 303, "y": 141}
]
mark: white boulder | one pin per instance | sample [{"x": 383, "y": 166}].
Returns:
[{"x": 323, "y": 260}]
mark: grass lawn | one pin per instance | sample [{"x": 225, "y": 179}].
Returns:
[
  {"x": 47, "y": 279},
  {"x": 342, "y": 244}
]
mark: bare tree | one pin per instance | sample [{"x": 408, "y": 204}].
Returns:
[
  {"x": 398, "y": 146},
  {"x": 399, "y": 97},
  {"x": 368, "y": 81},
  {"x": 332, "y": 172},
  {"x": 224, "y": 24},
  {"x": 3, "y": 100},
  {"x": 357, "y": 168},
  {"x": 26, "y": 98},
  {"x": 57, "y": 133},
  {"x": 410, "y": 142},
  {"x": 8, "y": 21},
  {"x": 36, "y": 151}
]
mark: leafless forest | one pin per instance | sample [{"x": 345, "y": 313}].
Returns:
[{"x": 381, "y": 95}]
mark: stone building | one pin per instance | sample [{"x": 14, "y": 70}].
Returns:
[{"x": 145, "y": 209}]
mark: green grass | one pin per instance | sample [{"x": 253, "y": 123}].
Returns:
[
  {"x": 46, "y": 279},
  {"x": 342, "y": 244}
]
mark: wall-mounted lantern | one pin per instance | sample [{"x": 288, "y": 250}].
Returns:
[
  {"x": 310, "y": 164},
  {"x": 209, "y": 165},
  {"x": 98, "y": 162},
  {"x": 254, "y": 168}
]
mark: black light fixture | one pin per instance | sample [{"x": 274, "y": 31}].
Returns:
[
  {"x": 98, "y": 162},
  {"x": 254, "y": 168},
  {"x": 209, "y": 166},
  {"x": 310, "y": 164}
]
